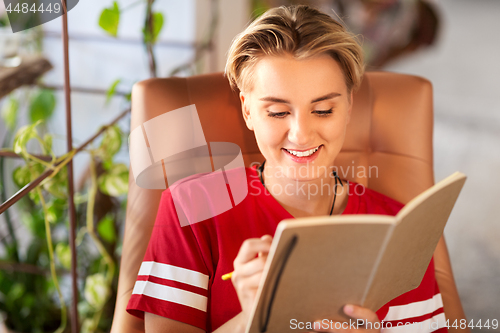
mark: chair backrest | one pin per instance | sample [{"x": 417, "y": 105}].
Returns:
[{"x": 388, "y": 148}]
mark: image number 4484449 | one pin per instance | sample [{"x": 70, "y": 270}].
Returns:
[{"x": 26, "y": 14}]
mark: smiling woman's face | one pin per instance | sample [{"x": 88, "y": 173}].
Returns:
[{"x": 298, "y": 110}]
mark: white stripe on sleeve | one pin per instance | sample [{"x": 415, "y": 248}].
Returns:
[
  {"x": 415, "y": 309},
  {"x": 170, "y": 294},
  {"x": 174, "y": 273}
]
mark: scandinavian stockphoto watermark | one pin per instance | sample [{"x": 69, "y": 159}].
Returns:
[
  {"x": 310, "y": 170},
  {"x": 26, "y": 14},
  {"x": 323, "y": 180}
]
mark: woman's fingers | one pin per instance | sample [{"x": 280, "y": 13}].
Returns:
[
  {"x": 251, "y": 282},
  {"x": 358, "y": 324},
  {"x": 251, "y": 267},
  {"x": 247, "y": 264},
  {"x": 248, "y": 267},
  {"x": 268, "y": 239},
  {"x": 251, "y": 248},
  {"x": 358, "y": 312}
]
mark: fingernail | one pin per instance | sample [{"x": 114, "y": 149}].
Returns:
[{"x": 348, "y": 309}]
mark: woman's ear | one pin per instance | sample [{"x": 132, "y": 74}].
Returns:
[{"x": 245, "y": 109}]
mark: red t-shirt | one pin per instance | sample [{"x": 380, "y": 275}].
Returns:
[{"x": 180, "y": 277}]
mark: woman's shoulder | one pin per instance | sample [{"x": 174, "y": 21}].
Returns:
[
  {"x": 203, "y": 196},
  {"x": 364, "y": 200},
  {"x": 210, "y": 184}
]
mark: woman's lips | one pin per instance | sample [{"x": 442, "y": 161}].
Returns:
[{"x": 302, "y": 159}]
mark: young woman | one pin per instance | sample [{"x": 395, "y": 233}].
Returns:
[{"x": 296, "y": 69}]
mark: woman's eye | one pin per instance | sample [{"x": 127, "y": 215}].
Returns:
[
  {"x": 277, "y": 114},
  {"x": 323, "y": 113}
]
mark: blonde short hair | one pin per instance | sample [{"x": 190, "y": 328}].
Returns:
[{"x": 300, "y": 31}]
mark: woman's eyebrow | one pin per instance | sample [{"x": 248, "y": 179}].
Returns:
[
  {"x": 328, "y": 96},
  {"x": 274, "y": 99},
  {"x": 284, "y": 101}
]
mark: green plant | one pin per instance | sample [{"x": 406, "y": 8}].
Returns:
[
  {"x": 32, "y": 279},
  {"x": 30, "y": 293},
  {"x": 109, "y": 21},
  {"x": 28, "y": 289}
]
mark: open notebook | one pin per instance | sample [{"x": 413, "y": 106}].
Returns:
[{"x": 317, "y": 265}]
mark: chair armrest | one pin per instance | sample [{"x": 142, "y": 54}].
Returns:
[{"x": 444, "y": 277}]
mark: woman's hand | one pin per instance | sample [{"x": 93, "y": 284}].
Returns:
[
  {"x": 248, "y": 267},
  {"x": 363, "y": 321}
]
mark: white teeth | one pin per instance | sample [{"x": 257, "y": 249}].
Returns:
[{"x": 302, "y": 153}]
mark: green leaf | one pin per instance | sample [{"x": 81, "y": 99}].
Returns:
[
  {"x": 58, "y": 185},
  {"x": 17, "y": 291},
  {"x": 157, "y": 25},
  {"x": 107, "y": 164},
  {"x": 34, "y": 222},
  {"x": 114, "y": 182},
  {"x": 23, "y": 135},
  {"x": 55, "y": 210},
  {"x": 34, "y": 197},
  {"x": 87, "y": 325},
  {"x": 63, "y": 253},
  {"x": 96, "y": 290},
  {"x": 42, "y": 106},
  {"x": 111, "y": 143},
  {"x": 106, "y": 229},
  {"x": 4, "y": 21},
  {"x": 111, "y": 90},
  {"x": 9, "y": 113},
  {"x": 84, "y": 309},
  {"x": 47, "y": 140},
  {"x": 21, "y": 176},
  {"x": 110, "y": 19},
  {"x": 25, "y": 174}
]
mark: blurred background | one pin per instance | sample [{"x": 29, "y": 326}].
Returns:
[{"x": 113, "y": 44}]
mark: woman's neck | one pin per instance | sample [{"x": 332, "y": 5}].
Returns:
[{"x": 307, "y": 198}]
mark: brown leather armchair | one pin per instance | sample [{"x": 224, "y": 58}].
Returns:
[{"x": 390, "y": 129}]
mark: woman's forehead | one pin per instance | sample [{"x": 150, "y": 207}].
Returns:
[{"x": 288, "y": 76}]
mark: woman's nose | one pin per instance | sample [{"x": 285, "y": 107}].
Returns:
[{"x": 300, "y": 132}]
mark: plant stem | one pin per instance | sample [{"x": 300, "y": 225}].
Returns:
[
  {"x": 35, "y": 159},
  {"x": 90, "y": 228},
  {"x": 69, "y": 157},
  {"x": 148, "y": 26},
  {"x": 53, "y": 272},
  {"x": 3, "y": 197},
  {"x": 29, "y": 187}
]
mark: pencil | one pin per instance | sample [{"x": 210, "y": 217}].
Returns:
[{"x": 227, "y": 276}]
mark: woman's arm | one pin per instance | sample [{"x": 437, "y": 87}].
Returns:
[
  {"x": 158, "y": 324},
  {"x": 248, "y": 267},
  {"x": 444, "y": 276}
]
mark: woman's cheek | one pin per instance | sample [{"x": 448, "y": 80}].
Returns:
[{"x": 270, "y": 133}]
